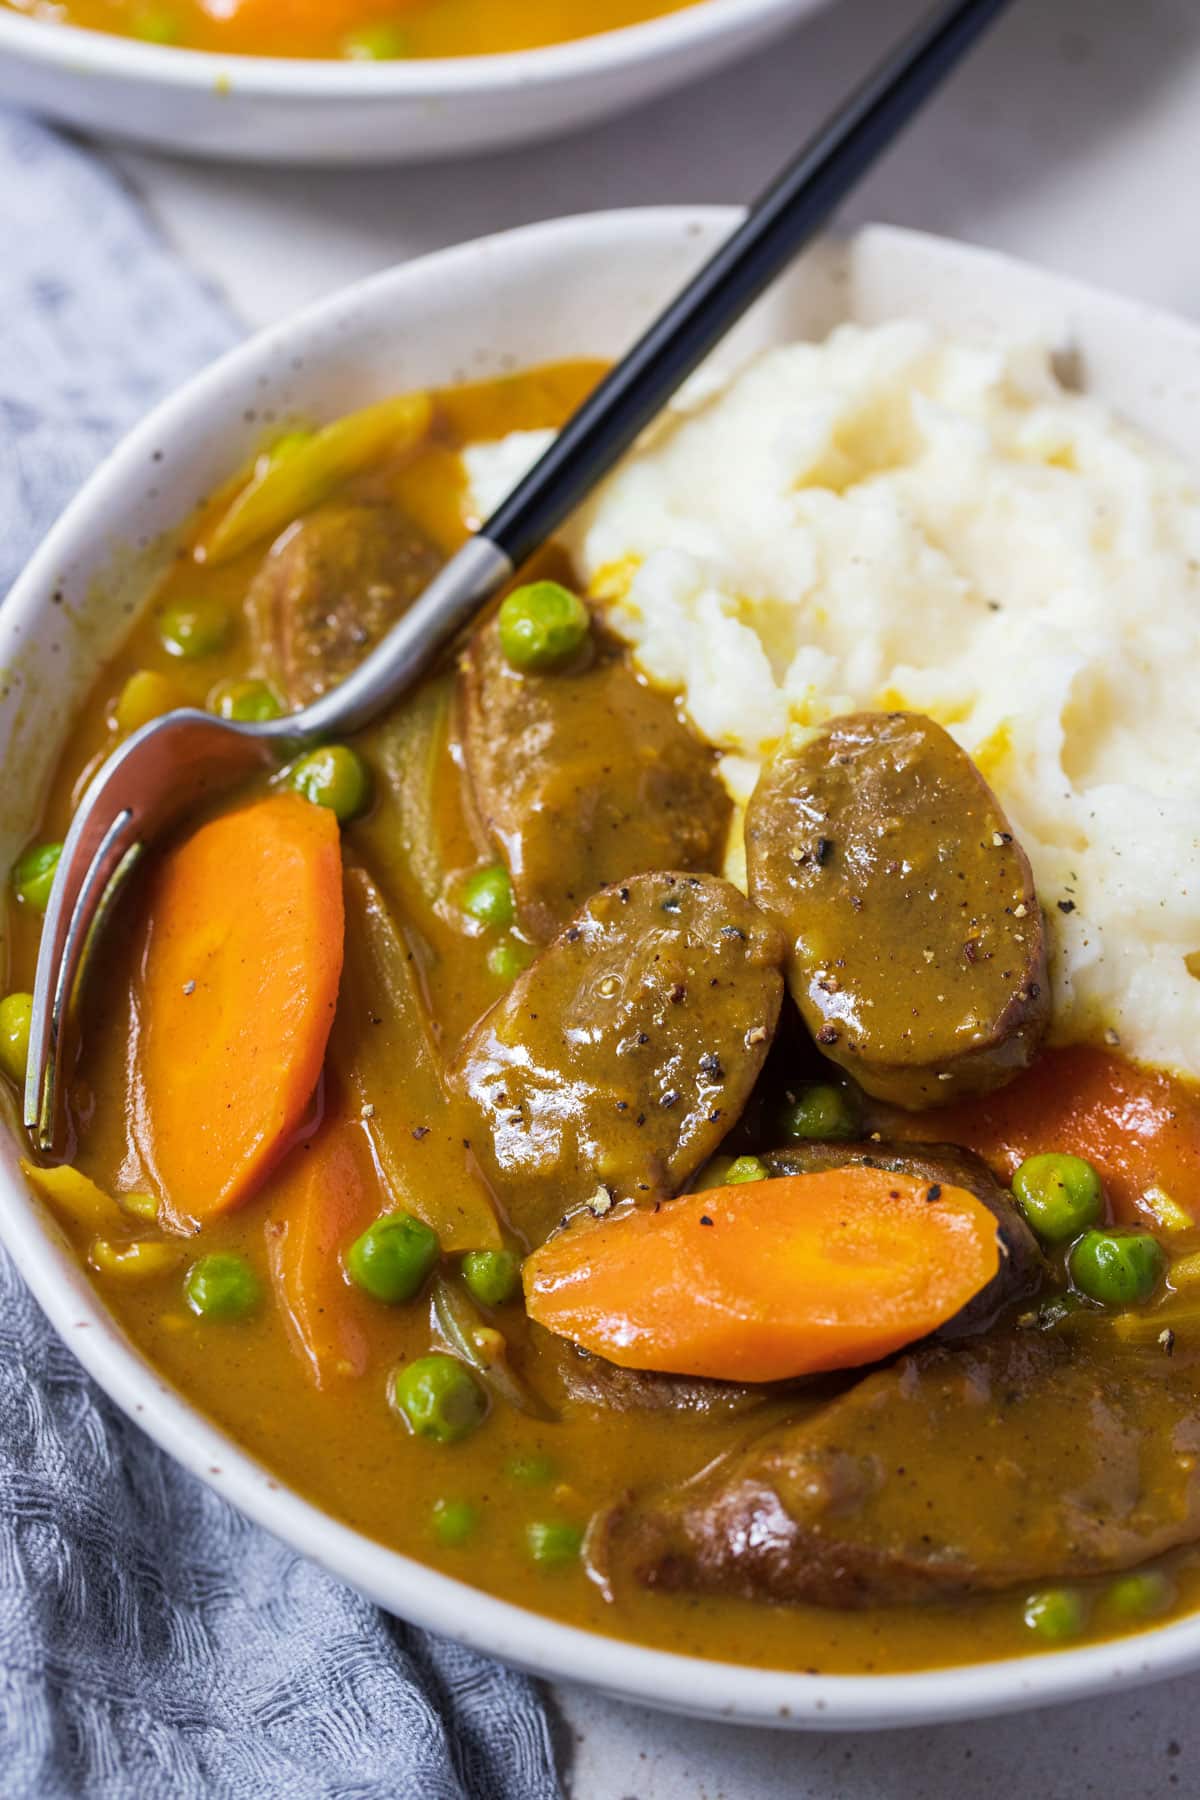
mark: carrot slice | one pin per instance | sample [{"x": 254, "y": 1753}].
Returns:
[
  {"x": 1138, "y": 1127},
  {"x": 768, "y": 1280},
  {"x": 238, "y": 978},
  {"x": 324, "y": 1196}
]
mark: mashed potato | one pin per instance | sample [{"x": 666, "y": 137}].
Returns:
[{"x": 894, "y": 520}]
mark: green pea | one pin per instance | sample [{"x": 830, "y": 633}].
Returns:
[
  {"x": 454, "y": 1521},
  {"x": 393, "y": 1258},
  {"x": 745, "y": 1168},
  {"x": 1142, "y": 1595},
  {"x": 33, "y": 875},
  {"x": 534, "y": 1471},
  {"x": 1056, "y": 1614},
  {"x": 542, "y": 625},
  {"x": 493, "y": 1276},
  {"x": 196, "y": 628},
  {"x": 487, "y": 896},
  {"x": 16, "y": 1011},
  {"x": 439, "y": 1398},
  {"x": 156, "y": 25},
  {"x": 553, "y": 1542},
  {"x": 506, "y": 959},
  {"x": 1117, "y": 1268},
  {"x": 1059, "y": 1195},
  {"x": 334, "y": 776},
  {"x": 222, "y": 1286},
  {"x": 819, "y": 1111},
  {"x": 249, "y": 701},
  {"x": 375, "y": 43},
  {"x": 714, "y": 1174}
]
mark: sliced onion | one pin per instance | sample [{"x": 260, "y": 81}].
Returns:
[{"x": 468, "y": 1334}]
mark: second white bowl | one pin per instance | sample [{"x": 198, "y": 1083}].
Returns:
[{"x": 275, "y": 109}]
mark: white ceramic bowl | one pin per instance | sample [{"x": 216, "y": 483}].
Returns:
[
  {"x": 572, "y": 287},
  {"x": 275, "y": 109}
]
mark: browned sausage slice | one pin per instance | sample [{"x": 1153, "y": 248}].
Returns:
[
  {"x": 1018, "y": 1460},
  {"x": 589, "y": 1380},
  {"x": 917, "y": 949},
  {"x": 1022, "y": 1265},
  {"x": 328, "y": 590},
  {"x": 584, "y": 776},
  {"x": 616, "y": 1063}
]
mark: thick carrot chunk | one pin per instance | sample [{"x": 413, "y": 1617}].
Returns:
[
  {"x": 325, "y": 1194},
  {"x": 235, "y": 995},
  {"x": 1138, "y": 1127},
  {"x": 768, "y": 1280}
]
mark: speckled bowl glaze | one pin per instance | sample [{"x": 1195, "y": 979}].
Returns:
[
  {"x": 278, "y": 109},
  {"x": 572, "y": 287}
]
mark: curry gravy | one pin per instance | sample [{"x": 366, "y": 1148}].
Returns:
[
  {"x": 342, "y": 1446},
  {"x": 367, "y": 29}
]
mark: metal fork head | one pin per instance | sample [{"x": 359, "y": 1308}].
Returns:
[
  {"x": 166, "y": 769},
  {"x": 173, "y": 765}
]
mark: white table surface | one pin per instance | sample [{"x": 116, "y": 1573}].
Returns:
[{"x": 1073, "y": 139}]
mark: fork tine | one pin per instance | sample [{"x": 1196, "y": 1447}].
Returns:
[
  {"x": 162, "y": 770},
  {"x": 84, "y": 889}
]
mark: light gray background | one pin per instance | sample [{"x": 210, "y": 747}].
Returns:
[{"x": 1073, "y": 138}]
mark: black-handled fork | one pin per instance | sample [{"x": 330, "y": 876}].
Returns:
[{"x": 170, "y": 765}]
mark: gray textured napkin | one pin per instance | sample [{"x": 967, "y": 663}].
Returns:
[{"x": 153, "y": 1642}]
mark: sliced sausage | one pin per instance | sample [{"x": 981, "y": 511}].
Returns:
[
  {"x": 583, "y": 776},
  {"x": 917, "y": 957},
  {"x": 1017, "y": 1460},
  {"x": 618, "y": 1060},
  {"x": 593, "y": 1381},
  {"x": 329, "y": 589},
  {"x": 1022, "y": 1265}
]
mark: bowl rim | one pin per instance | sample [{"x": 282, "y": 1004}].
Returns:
[
  {"x": 637, "y": 1673},
  {"x": 85, "y": 51}
]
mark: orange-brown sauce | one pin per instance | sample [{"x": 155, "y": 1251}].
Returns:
[
  {"x": 371, "y": 30},
  {"x": 341, "y": 1445}
]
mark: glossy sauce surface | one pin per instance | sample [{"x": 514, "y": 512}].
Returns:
[
  {"x": 339, "y": 1442},
  {"x": 367, "y": 30}
]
